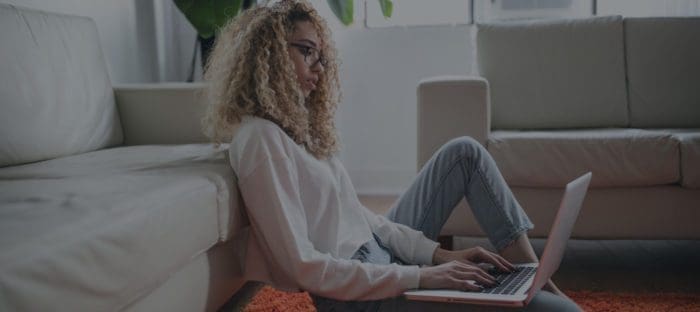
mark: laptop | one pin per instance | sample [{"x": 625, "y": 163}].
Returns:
[{"x": 519, "y": 287}]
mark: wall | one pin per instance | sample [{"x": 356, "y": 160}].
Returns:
[
  {"x": 126, "y": 30},
  {"x": 377, "y": 118},
  {"x": 380, "y": 70}
]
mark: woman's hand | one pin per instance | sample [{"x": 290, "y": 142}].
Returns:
[
  {"x": 454, "y": 275},
  {"x": 459, "y": 270},
  {"x": 473, "y": 256}
]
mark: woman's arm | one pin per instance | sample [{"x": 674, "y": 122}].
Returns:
[
  {"x": 453, "y": 268},
  {"x": 409, "y": 245},
  {"x": 272, "y": 199}
]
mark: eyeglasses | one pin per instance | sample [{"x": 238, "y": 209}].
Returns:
[{"x": 311, "y": 55}]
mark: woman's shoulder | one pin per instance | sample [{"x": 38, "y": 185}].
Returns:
[
  {"x": 256, "y": 138},
  {"x": 252, "y": 128}
]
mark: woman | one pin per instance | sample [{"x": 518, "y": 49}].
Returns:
[{"x": 273, "y": 84}]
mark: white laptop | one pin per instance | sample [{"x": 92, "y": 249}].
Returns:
[{"x": 518, "y": 288}]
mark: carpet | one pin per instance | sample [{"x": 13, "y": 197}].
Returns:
[
  {"x": 268, "y": 299},
  {"x": 610, "y": 301}
]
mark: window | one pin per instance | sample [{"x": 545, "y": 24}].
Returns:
[
  {"x": 500, "y": 10},
  {"x": 643, "y": 8},
  {"x": 451, "y": 12}
]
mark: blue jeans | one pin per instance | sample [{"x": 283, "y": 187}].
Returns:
[{"x": 460, "y": 168}]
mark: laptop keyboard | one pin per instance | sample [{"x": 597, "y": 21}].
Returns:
[{"x": 510, "y": 282}]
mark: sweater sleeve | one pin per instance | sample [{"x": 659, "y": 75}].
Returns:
[
  {"x": 409, "y": 245},
  {"x": 272, "y": 198}
]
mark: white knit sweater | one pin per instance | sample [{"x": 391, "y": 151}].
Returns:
[{"x": 306, "y": 222}]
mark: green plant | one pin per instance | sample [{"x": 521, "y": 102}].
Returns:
[{"x": 343, "y": 9}]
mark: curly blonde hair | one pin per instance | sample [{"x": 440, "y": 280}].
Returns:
[{"x": 250, "y": 72}]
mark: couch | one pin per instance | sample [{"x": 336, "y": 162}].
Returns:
[
  {"x": 110, "y": 197},
  {"x": 556, "y": 98}
]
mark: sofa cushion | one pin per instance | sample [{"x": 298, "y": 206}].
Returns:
[
  {"x": 56, "y": 95},
  {"x": 663, "y": 68},
  {"x": 617, "y": 157},
  {"x": 555, "y": 74},
  {"x": 97, "y": 231},
  {"x": 690, "y": 156}
]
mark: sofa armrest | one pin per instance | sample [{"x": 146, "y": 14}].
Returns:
[
  {"x": 161, "y": 113},
  {"x": 450, "y": 107}
]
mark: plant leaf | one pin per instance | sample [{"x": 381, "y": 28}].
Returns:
[
  {"x": 343, "y": 9},
  {"x": 387, "y": 7},
  {"x": 210, "y": 15}
]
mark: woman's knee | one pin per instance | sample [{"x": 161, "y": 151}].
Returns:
[{"x": 463, "y": 146}]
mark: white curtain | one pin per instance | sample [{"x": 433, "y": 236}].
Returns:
[{"x": 175, "y": 41}]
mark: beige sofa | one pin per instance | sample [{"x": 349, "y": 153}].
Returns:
[
  {"x": 554, "y": 99},
  {"x": 109, "y": 197}
]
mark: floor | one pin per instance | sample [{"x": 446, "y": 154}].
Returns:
[{"x": 609, "y": 265}]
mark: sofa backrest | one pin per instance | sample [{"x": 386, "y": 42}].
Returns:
[
  {"x": 555, "y": 73},
  {"x": 663, "y": 70},
  {"x": 56, "y": 95}
]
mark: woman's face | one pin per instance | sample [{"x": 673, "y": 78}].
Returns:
[{"x": 304, "y": 46}]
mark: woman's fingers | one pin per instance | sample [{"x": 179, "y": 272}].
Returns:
[
  {"x": 466, "y": 271},
  {"x": 499, "y": 262},
  {"x": 456, "y": 275},
  {"x": 465, "y": 285},
  {"x": 475, "y": 276},
  {"x": 506, "y": 263},
  {"x": 483, "y": 255}
]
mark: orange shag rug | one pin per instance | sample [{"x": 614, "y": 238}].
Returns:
[{"x": 268, "y": 300}]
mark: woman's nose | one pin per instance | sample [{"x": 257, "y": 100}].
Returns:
[{"x": 317, "y": 67}]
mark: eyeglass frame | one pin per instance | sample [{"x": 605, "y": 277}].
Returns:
[{"x": 301, "y": 47}]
